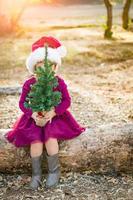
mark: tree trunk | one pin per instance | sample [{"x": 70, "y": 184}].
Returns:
[
  {"x": 108, "y": 33},
  {"x": 125, "y": 14},
  {"x": 107, "y": 148}
]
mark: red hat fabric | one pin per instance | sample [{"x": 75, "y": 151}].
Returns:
[{"x": 49, "y": 40}]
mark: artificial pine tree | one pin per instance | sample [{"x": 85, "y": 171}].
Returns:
[{"x": 42, "y": 96}]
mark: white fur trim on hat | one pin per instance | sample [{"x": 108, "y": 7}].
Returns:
[
  {"x": 54, "y": 55},
  {"x": 62, "y": 51}
]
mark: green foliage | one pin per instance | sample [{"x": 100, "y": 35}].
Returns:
[{"x": 42, "y": 96}]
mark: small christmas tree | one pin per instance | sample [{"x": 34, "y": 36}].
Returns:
[{"x": 42, "y": 96}]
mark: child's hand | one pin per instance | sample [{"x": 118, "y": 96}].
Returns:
[
  {"x": 49, "y": 115},
  {"x": 34, "y": 115},
  {"x": 40, "y": 121}
]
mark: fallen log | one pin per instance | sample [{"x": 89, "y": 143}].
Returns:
[
  {"x": 10, "y": 90},
  {"x": 102, "y": 149}
]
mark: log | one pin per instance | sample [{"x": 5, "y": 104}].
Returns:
[
  {"x": 102, "y": 149},
  {"x": 10, "y": 90}
]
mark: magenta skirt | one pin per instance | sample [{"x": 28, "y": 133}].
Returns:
[{"x": 25, "y": 131}]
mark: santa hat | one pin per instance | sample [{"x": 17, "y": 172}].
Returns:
[{"x": 55, "y": 52}]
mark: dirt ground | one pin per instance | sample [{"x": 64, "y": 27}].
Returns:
[
  {"x": 74, "y": 186},
  {"x": 99, "y": 74}
]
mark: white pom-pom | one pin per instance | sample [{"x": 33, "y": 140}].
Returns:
[{"x": 62, "y": 51}]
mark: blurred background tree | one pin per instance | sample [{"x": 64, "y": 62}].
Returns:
[
  {"x": 12, "y": 10},
  {"x": 108, "y": 30},
  {"x": 10, "y": 14},
  {"x": 125, "y": 16}
]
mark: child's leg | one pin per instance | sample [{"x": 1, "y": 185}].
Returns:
[
  {"x": 36, "y": 150},
  {"x": 53, "y": 162},
  {"x": 52, "y": 146}
]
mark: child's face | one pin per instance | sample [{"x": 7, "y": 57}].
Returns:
[{"x": 39, "y": 64}]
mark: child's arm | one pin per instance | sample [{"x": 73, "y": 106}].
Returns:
[
  {"x": 65, "y": 101},
  {"x": 24, "y": 93}
]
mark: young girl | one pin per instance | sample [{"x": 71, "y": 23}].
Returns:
[{"x": 60, "y": 124}]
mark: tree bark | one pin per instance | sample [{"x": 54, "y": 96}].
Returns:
[
  {"x": 106, "y": 148},
  {"x": 125, "y": 14},
  {"x": 108, "y": 31}
]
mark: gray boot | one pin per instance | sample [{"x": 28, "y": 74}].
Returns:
[
  {"x": 36, "y": 172},
  {"x": 53, "y": 170}
]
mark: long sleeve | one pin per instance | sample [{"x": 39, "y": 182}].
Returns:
[
  {"x": 24, "y": 93},
  {"x": 65, "y": 101}
]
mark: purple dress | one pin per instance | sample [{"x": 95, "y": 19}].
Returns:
[{"x": 63, "y": 126}]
